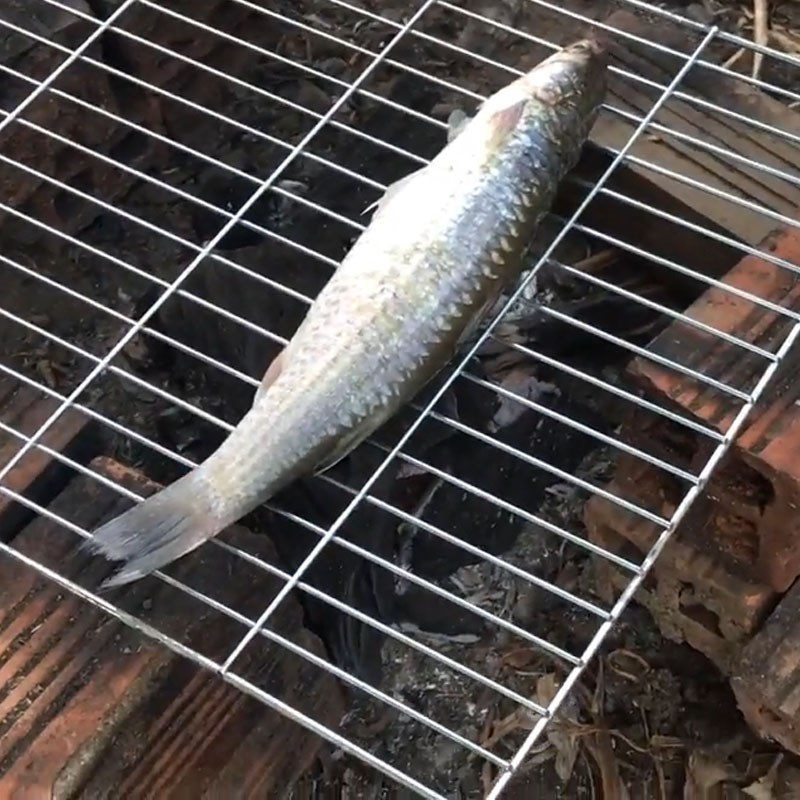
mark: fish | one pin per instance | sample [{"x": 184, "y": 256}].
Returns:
[{"x": 441, "y": 247}]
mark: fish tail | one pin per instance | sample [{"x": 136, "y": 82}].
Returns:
[{"x": 160, "y": 529}]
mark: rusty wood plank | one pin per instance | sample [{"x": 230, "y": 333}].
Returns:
[
  {"x": 644, "y": 230},
  {"x": 29, "y": 57},
  {"x": 96, "y": 85},
  {"x": 38, "y": 476},
  {"x": 88, "y": 706}
]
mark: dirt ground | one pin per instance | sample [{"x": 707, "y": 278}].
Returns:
[{"x": 650, "y": 719}]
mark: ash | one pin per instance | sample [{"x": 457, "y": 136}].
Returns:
[
  {"x": 451, "y": 699},
  {"x": 648, "y": 695}
]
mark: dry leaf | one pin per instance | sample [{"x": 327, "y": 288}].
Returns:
[
  {"x": 546, "y": 689},
  {"x": 602, "y": 751},
  {"x": 515, "y": 721},
  {"x": 661, "y": 778},
  {"x": 665, "y": 742},
  {"x": 703, "y": 775},
  {"x": 764, "y": 787},
  {"x": 600, "y": 745},
  {"x": 599, "y": 695},
  {"x": 564, "y": 737},
  {"x": 517, "y": 659},
  {"x": 628, "y": 665},
  {"x": 523, "y": 384},
  {"x": 787, "y": 785},
  {"x": 567, "y": 745}
]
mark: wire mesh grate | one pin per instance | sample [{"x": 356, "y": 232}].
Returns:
[{"x": 309, "y": 113}]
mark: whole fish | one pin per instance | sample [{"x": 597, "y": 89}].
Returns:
[{"x": 442, "y": 245}]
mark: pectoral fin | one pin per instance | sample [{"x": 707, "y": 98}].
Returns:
[
  {"x": 343, "y": 448},
  {"x": 392, "y": 191},
  {"x": 504, "y": 120},
  {"x": 270, "y": 376},
  {"x": 456, "y": 123}
]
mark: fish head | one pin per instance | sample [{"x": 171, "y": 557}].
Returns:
[
  {"x": 575, "y": 73},
  {"x": 568, "y": 88}
]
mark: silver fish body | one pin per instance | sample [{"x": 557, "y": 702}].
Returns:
[{"x": 440, "y": 249}]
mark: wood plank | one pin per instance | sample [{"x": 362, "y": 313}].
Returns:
[
  {"x": 613, "y": 130},
  {"x": 643, "y": 229},
  {"x": 38, "y": 475},
  {"x": 86, "y": 704}
]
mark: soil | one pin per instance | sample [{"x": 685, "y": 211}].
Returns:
[{"x": 653, "y": 713}]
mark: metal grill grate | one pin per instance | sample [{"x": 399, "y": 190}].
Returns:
[{"x": 325, "y": 138}]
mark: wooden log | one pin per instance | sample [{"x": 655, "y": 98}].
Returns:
[
  {"x": 38, "y": 476},
  {"x": 89, "y": 708}
]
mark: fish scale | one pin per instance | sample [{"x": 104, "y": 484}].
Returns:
[{"x": 440, "y": 249}]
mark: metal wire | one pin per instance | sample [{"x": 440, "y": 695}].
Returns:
[
  {"x": 332, "y": 530},
  {"x": 331, "y": 539},
  {"x": 697, "y": 142},
  {"x": 228, "y": 215}
]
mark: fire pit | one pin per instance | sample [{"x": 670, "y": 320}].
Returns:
[{"x": 448, "y": 609}]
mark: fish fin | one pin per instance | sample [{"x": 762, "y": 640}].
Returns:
[
  {"x": 456, "y": 123},
  {"x": 330, "y": 462},
  {"x": 158, "y": 530},
  {"x": 504, "y": 120},
  {"x": 391, "y": 192},
  {"x": 449, "y": 403},
  {"x": 343, "y": 448},
  {"x": 270, "y": 376},
  {"x": 477, "y": 323}
]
